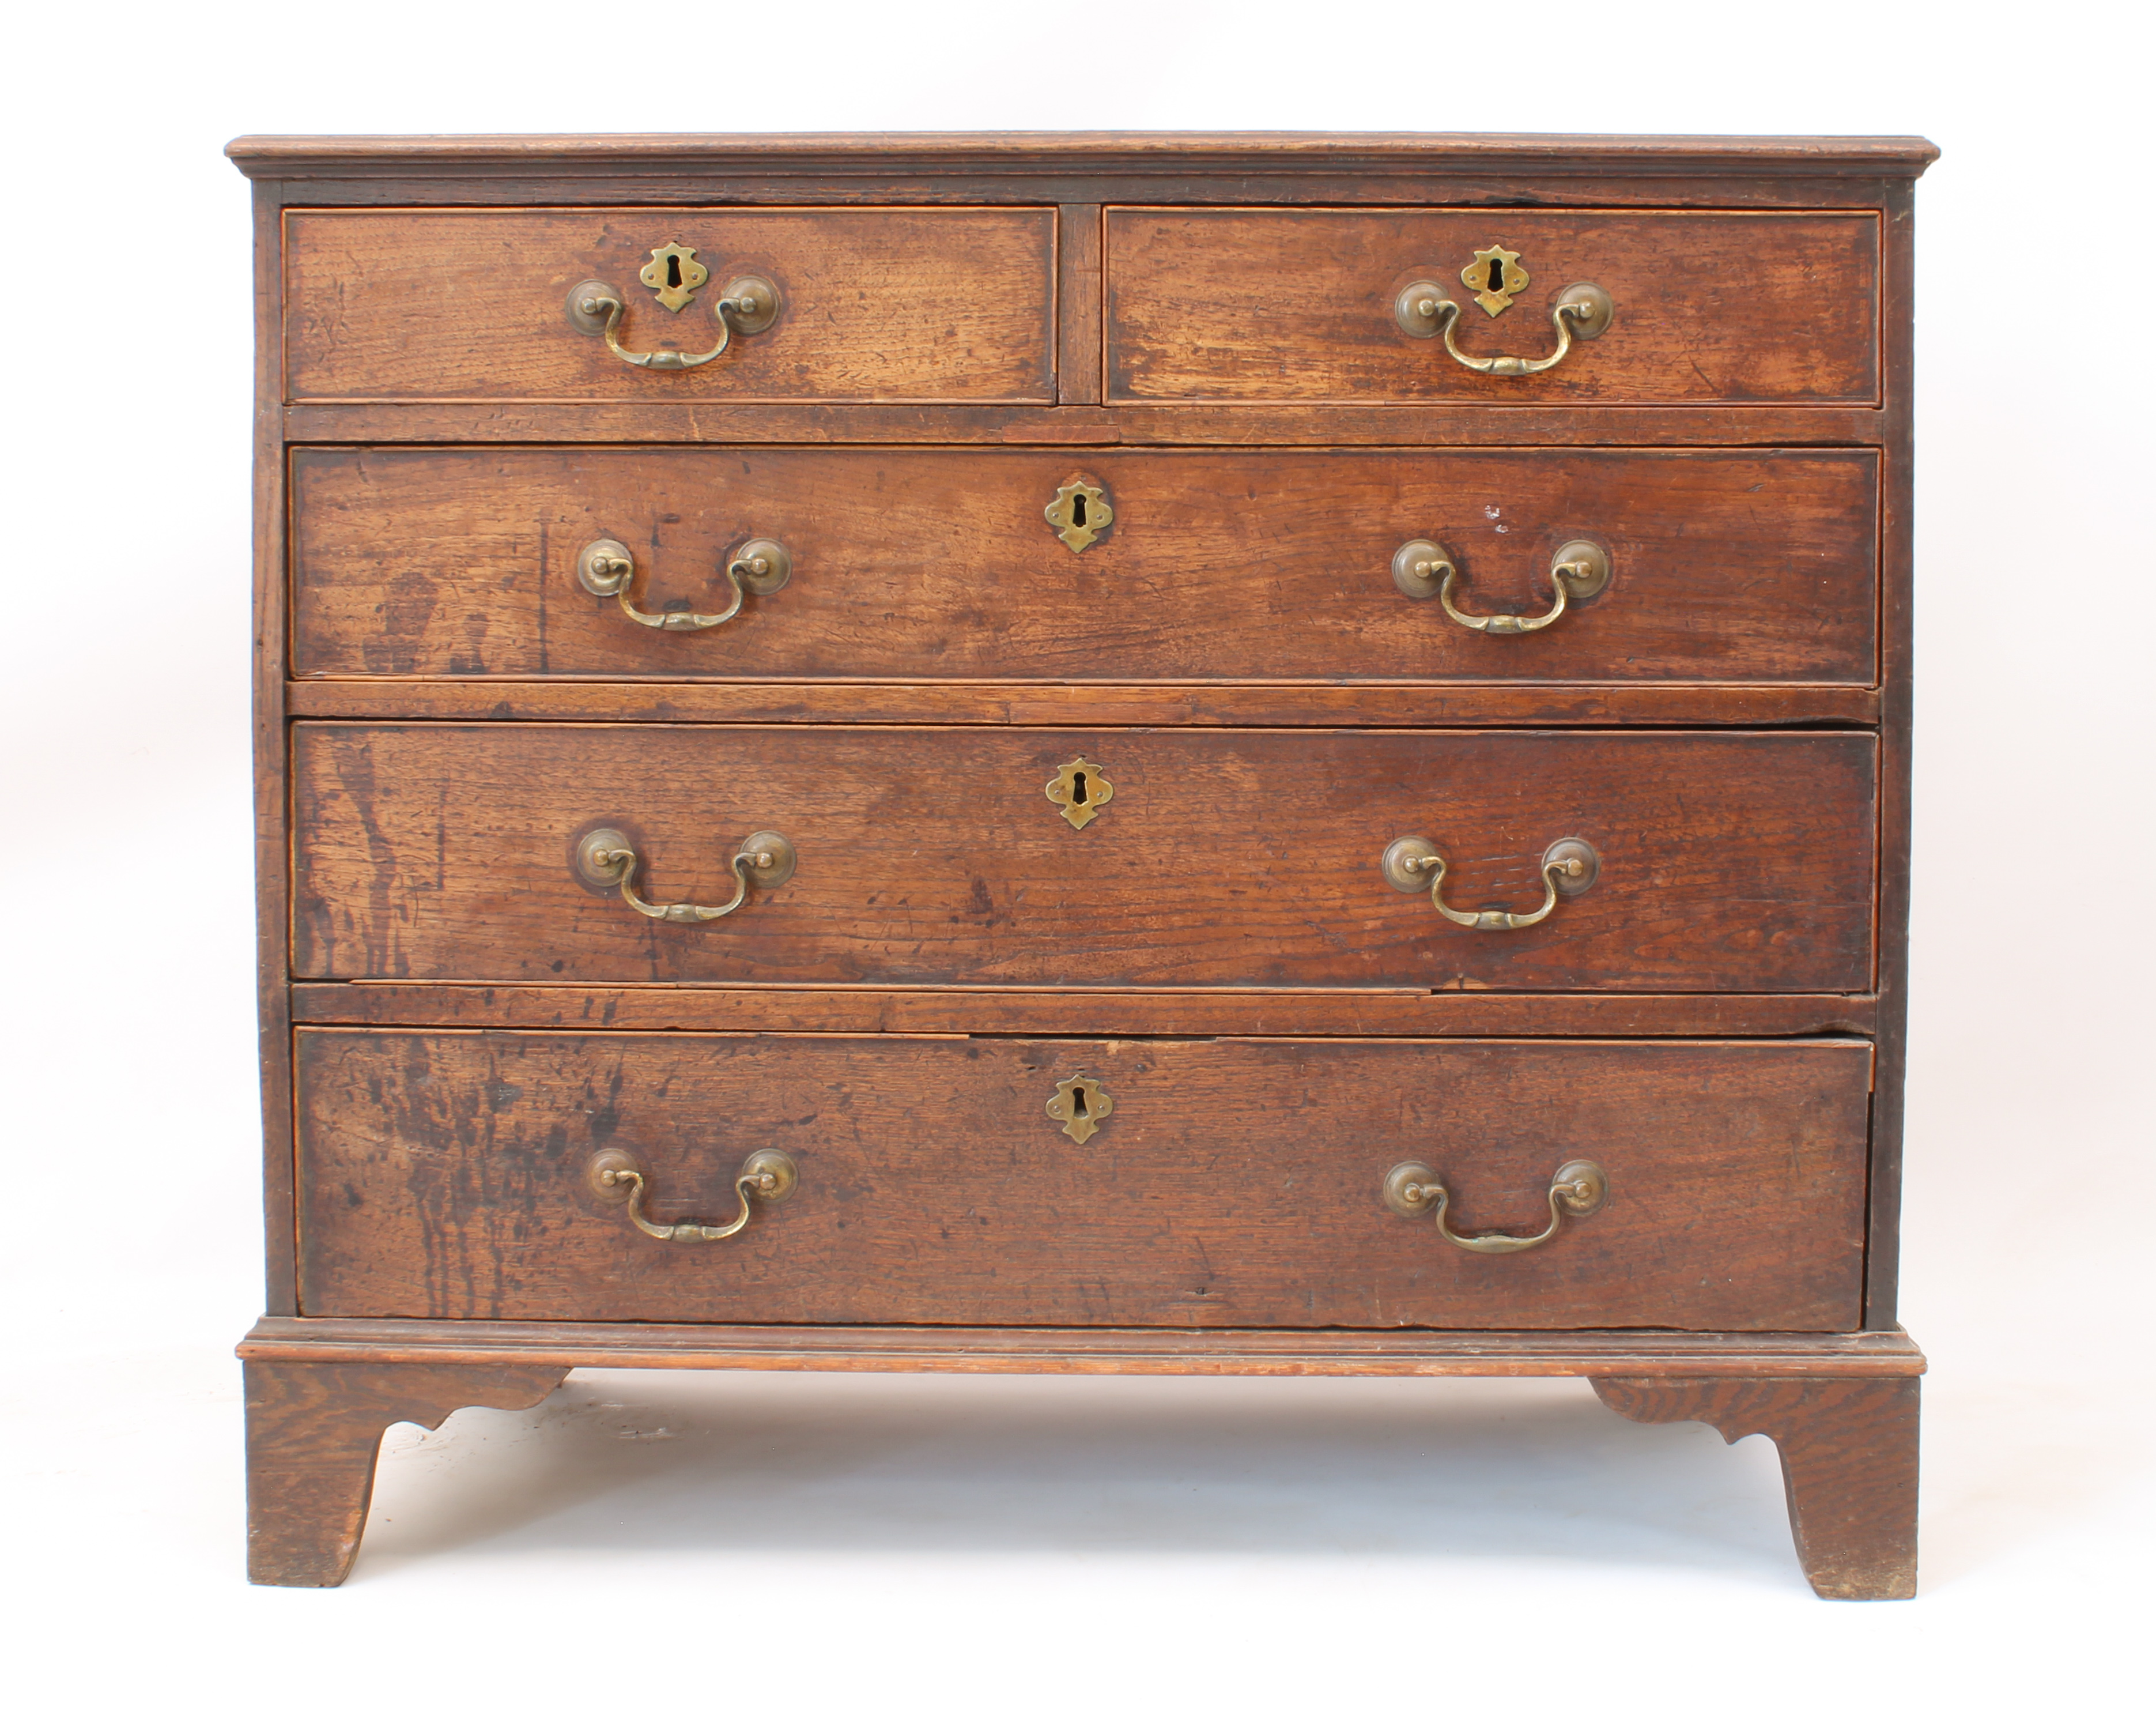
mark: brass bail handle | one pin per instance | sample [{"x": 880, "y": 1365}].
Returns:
[
  {"x": 1580, "y": 570},
  {"x": 1423, "y": 310},
  {"x": 1579, "y": 1190},
  {"x": 606, "y": 858},
  {"x": 606, "y": 567},
  {"x": 766, "y": 1174},
  {"x": 748, "y": 305},
  {"x": 1569, "y": 866}
]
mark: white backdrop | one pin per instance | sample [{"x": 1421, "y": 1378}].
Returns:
[{"x": 830, "y": 1541}]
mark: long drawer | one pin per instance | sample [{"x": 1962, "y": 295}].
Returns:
[
  {"x": 1704, "y": 308},
  {"x": 1229, "y": 1182},
  {"x": 1722, "y": 566},
  {"x": 897, "y": 304},
  {"x": 1717, "y": 861}
]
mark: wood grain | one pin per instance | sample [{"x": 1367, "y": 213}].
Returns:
[
  {"x": 1849, "y": 1463},
  {"x": 1400, "y": 705},
  {"x": 892, "y": 304},
  {"x": 1727, "y": 567},
  {"x": 1730, "y": 861},
  {"x": 933, "y": 158},
  {"x": 1257, "y": 304},
  {"x": 1771, "y": 330},
  {"x": 313, "y": 1433},
  {"x": 1417, "y": 422},
  {"x": 1897, "y": 650},
  {"x": 273, "y": 832},
  {"x": 1235, "y": 1184},
  {"x": 1016, "y": 1348},
  {"x": 1409, "y": 1012},
  {"x": 1078, "y": 354}
]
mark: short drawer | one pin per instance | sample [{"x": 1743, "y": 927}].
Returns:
[
  {"x": 1228, "y": 1183},
  {"x": 1757, "y": 566},
  {"x": 1738, "y": 861},
  {"x": 865, "y": 304},
  {"x": 1248, "y": 304}
]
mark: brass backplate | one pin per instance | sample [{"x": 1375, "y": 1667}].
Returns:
[
  {"x": 1561, "y": 854},
  {"x": 1080, "y": 1105},
  {"x": 1595, "y": 309},
  {"x": 1495, "y": 277},
  {"x": 1411, "y": 1189},
  {"x": 1079, "y": 513},
  {"x": 1583, "y": 1186},
  {"x": 1403, "y": 864},
  {"x": 598, "y": 857},
  {"x": 754, "y": 303},
  {"x": 770, "y": 860},
  {"x": 603, "y": 1173},
  {"x": 1081, "y": 789},
  {"x": 674, "y": 274},
  {"x": 768, "y": 1161}
]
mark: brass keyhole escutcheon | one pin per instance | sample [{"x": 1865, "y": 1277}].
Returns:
[
  {"x": 674, "y": 274},
  {"x": 1080, "y": 1105},
  {"x": 1079, "y": 513},
  {"x": 1081, "y": 789},
  {"x": 1495, "y": 277}
]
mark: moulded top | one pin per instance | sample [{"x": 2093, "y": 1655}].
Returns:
[{"x": 1094, "y": 152}]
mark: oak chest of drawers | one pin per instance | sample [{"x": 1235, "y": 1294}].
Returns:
[{"x": 1085, "y": 754}]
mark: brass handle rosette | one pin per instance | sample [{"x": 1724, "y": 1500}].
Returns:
[
  {"x": 766, "y": 1174},
  {"x": 1580, "y": 570},
  {"x": 749, "y": 305},
  {"x": 1424, "y": 310},
  {"x": 1569, "y": 866},
  {"x": 1578, "y": 1190},
  {"x": 606, "y": 858},
  {"x": 606, "y": 567}
]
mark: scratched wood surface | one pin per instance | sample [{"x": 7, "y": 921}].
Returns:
[
  {"x": 1404, "y": 1011},
  {"x": 1369, "y": 1354},
  {"x": 1234, "y": 1182},
  {"x": 1730, "y": 861},
  {"x": 313, "y": 1433},
  {"x": 1400, "y": 705},
  {"x": 1399, "y": 421},
  {"x": 1753, "y": 567},
  {"x": 877, "y": 305},
  {"x": 1849, "y": 1450},
  {"x": 1259, "y": 304}
]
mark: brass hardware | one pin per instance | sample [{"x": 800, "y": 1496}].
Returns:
[
  {"x": 608, "y": 568},
  {"x": 1580, "y": 570},
  {"x": 1079, "y": 513},
  {"x": 1082, "y": 789},
  {"x": 1583, "y": 311},
  {"x": 1495, "y": 277},
  {"x": 1579, "y": 1190},
  {"x": 606, "y": 858},
  {"x": 1569, "y": 866},
  {"x": 1081, "y": 1105},
  {"x": 748, "y": 305},
  {"x": 675, "y": 274},
  {"x": 766, "y": 1174}
]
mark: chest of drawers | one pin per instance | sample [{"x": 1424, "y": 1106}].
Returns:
[{"x": 1084, "y": 754}]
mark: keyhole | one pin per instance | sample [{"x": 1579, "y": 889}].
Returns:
[
  {"x": 1078, "y": 519},
  {"x": 1077, "y": 1102},
  {"x": 674, "y": 272},
  {"x": 1496, "y": 276},
  {"x": 1077, "y": 787}
]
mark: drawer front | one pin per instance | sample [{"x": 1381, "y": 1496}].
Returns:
[
  {"x": 1708, "y": 308},
  {"x": 1728, "y": 861},
  {"x": 1231, "y": 1183},
  {"x": 896, "y": 305},
  {"x": 1724, "y": 567}
]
